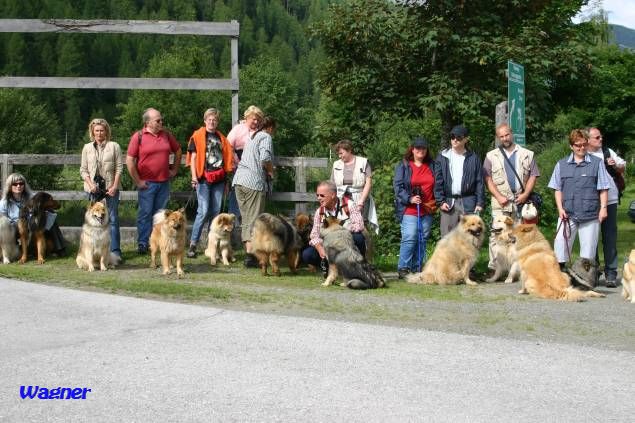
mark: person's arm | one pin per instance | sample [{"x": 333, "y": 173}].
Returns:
[
  {"x": 177, "y": 162},
  {"x": 439, "y": 192},
  {"x": 194, "y": 179},
  {"x": 112, "y": 190},
  {"x": 356, "y": 220},
  {"x": 131, "y": 164},
  {"x": 365, "y": 192},
  {"x": 314, "y": 237},
  {"x": 529, "y": 187},
  {"x": 561, "y": 211},
  {"x": 83, "y": 171},
  {"x": 480, "y": 187},
  {"x": 604, "y": 199}
]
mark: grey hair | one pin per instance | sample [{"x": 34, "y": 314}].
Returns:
[
  {"x": 146, "y": 114},
  {"x": 328, "y": 184},
  {"x": 15, "y": 177}
]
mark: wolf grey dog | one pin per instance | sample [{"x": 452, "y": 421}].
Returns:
[{"x": 345, "y": 259}]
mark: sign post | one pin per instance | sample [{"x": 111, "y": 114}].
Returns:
[{"x": 516, "y": 100}]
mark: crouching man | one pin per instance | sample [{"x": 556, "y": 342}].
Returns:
[{"x": 331, "y": 206}]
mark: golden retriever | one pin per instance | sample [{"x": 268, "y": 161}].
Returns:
[
  {"x": 454, "y": 255},
  {"x": 502, "y": 248},
  {"x": 540, "y": 273},
  {"x": 94, "y": 242},
  {"x": 628, "y": 278},
  {"x": 273, "y": 237},
  {"x": 168, "y": 238},
  {"x": 219, "y": 238}
]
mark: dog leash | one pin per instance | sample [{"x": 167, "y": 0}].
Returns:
[{"x": 566, "y": 234}]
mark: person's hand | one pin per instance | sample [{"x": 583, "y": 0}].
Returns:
[
  {"x": 112, "y": 191},
  {"x": 93, "y": 187},
  {"x": 603, "y": 214},
  {"x": 610, "y": 161},
  {"x": 562, "y": 214},
  {"x": 522, "y": 198},
  {"x": 478, "y": 209},
  {"x": 141, "y": 184},
  {"x": 445, "y": 207},
  {"x": 415, "y": 199},
  {"x": 194, "y": 183},
  {"x": 173, "y": 171},
  {"x": 360, "y": 206},
  {"x": 502, "y": 200},
  {"x": 320, "y": 250}
]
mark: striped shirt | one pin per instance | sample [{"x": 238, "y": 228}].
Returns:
[
  {"x": 355, "y": 222},
  {"x": 250, "y": 172}
]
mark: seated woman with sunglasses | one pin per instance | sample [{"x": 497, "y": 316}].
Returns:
[{"x": 16, "y": 193}]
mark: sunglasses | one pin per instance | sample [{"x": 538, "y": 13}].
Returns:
[
  {"x": 580, "y": 145},
  {"x": 15, "y": 184},
  {"x": 321, "y": 195}
]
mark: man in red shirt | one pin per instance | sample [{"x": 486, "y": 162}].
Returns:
[{"x": 148, "y": 162}]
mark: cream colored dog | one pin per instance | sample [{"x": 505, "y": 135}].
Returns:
[
  {"x": 628, "y": 278},
  {"x": 454, "y": 255},
  {"x": 503, "y": 251},
  {"x": 219, "y": 239},
  {"x": 94, "y": 242}
]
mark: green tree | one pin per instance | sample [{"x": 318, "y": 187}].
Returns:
[{"x": 448, "y": 56}]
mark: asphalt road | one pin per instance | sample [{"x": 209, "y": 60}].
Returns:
[{"x": 151, "y": 361}]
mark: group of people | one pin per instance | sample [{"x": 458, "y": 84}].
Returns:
[
  {"x": 586, "y": 192},
  {"x": 584, "y": 182}
]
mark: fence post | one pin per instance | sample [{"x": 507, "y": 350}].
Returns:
[
  {"x": 300, "y": 183},
  {"x": 7, "y": 167}
]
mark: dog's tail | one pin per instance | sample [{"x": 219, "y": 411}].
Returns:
[
  {"x": 576, "y": 295},
  {"x": 422, "y": 278},
  {"x": 158, "y": 217},
  {"x": 363, "y": 276}
]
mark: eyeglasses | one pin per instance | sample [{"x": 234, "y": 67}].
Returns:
[
  {"x": 459, "y": 138},
  {"x": 15, "y": 184},
  {"x": 580, "y": 145},
  {"x": 160, "y": 120},
  {"x": 321, "y": 195}
]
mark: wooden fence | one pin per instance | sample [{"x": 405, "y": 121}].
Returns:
[{"x": 300, "y": 164}]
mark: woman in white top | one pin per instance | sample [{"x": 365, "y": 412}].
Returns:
[{"x": 353, "y": 177}]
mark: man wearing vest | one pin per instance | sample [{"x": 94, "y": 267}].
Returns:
[
  {"x": 330, "y": 205},
  {"x": 581, "y": 184},
  {"x": 148, "y": 162},
  {"x": 501, "y": 180},
  {"x": 615, "y": 166}
]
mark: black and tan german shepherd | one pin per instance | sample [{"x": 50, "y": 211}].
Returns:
[{"x": 32, "y": 223}]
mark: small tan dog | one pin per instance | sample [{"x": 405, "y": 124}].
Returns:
[
  {"x": 454, "y": 255},
  {"x": 503, "y": 251},
  {"x": 219, "y": 238},
  {"x": 168, "y": 238},
  {"x": 628, "y": 278},
  {"x": 94, "y": 242},
  {"x": 539, "y": 269}
]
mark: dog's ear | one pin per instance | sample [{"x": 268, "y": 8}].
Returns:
[
  {"x": 166, "y": 213},
  {"x": 509, "y": 220},
  {"x": 181, "y": 210},
  {"x": 90, "y": 205}
]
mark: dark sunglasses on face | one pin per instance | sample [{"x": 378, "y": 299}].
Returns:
[
  {"x": 15, "y": 184},
  {"x": 320, "y": 195}
]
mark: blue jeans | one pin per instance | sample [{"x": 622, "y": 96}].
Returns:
[
  {"x": 151, "y": 200},
  {"x": 232, "y": 204},
  {"x": 209, "y": 198},
  {"x": 113, "y": 217},
  {"x": 409, "y": 247}
]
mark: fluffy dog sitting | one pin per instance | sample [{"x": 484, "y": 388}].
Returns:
[
  {"x": 273, "y": 237},
  {"x": 219, "y": 238},
  {"x": 529, "y": 213},
  {"x": 32, "y": 224},
  {"x": 168, "y": 238},
  {"x": 628, "y": 278},
  {"x": 454, "y": 255},
  {"x": 94, "y": 242},
  {"x": 503, "y": 251},
  {"x": 8, "y": 243},
  {"x": 345, "y": 259},
  {"x": 540, "y": 271}
]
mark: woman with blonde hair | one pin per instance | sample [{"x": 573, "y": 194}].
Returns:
[{"x": 100, "y": 169}]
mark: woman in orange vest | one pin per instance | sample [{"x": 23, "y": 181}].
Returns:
[{"x": 209, "y": 156}]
